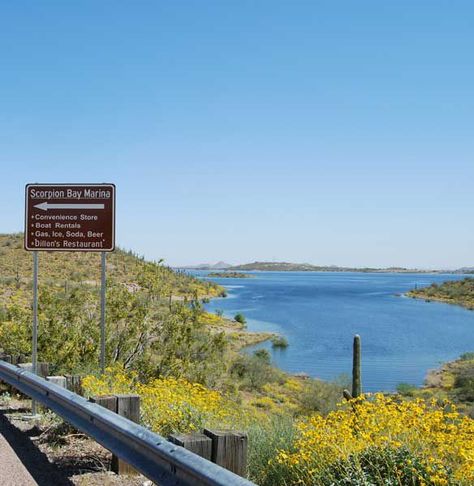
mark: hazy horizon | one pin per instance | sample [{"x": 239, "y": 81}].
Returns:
[{"x": 234, "y": 264}]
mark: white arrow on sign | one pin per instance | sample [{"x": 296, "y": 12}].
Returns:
[{"x": 45, "y": 206}]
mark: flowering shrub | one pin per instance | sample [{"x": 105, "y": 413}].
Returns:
[
  {"x": 374, "y": 440},
  {"x": 168, "y": 404},
  {"x": 381, "y": 440},
  {"x": 210, "y": 319}
]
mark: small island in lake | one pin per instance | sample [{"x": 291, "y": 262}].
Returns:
[
  {"x": 230, "y": 275},
  {"x": 458, "y": 292}
]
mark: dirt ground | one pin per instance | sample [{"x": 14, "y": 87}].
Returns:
[{"x": 54, "y": 453}]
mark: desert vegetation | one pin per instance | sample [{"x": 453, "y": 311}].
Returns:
[
  {"x": 459, "y": 292},
  {"x": 186, "y": 365}
]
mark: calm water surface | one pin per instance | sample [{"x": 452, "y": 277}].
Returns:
[{"x": 319, "y": 313}]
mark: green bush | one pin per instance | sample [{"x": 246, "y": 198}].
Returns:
[
  {"x": 264, "y": 441},
  {"x": 377, "y": 467},
  {"x": 406, "y": 389},
  {"x": 279, "y": 342},
  {"x": 254, "y": 371},
  {"x": 372, "y": 467},
  {"x": 322, "y": 396},
  {"x": 263, "y": 355},
  {"x": 464, "y": 386},
  {"x": 240, "y": 318}
]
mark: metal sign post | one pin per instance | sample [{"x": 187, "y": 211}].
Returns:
[
  {"x": 102, "y": 312},
  {"x": 34, "y": 344}
]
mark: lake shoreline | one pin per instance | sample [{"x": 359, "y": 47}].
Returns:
[
  {"x": 440, "y": 300},
  {"x": 320, "y": 313},
  {"x": 460, "y": 293}
]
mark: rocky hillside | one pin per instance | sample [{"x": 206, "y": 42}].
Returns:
[{"x": 149, "y": 325}]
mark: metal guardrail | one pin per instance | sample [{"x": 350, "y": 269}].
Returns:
[{"x": 164, "y": 463}]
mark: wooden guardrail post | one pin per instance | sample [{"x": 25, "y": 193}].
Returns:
[
  {"x": 198, "y": 443},
  {"x": 229, "y": 450},
  {"x": 127, "y": 406},
  {"x": 74, "y": 383},
  {"x": 18, "y": 358},
  {"x": 57, "y": 380},
  {"x": 223, "y": 447},
  {"x": 8, "y": 359},
  {"x": 41, "y": 370},
  {"x": 108, "y": 401}
]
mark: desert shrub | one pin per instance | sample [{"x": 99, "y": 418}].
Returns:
[
  {"x": 379, "y": 466},
  {"x": 168, "y": 404},
  {"x": 254, "y": 371},
  {"x": 184, "y": 347},
  {"x": 264, "y": 439},
  {"x": 240, "y": 318},
  {"x": 263, "y": 355},
  {"x": 279, "y": 342},
  {"x": 464, "y": 385},
  {"x": 321, "y": 396},
  {"x": 406, "y": 389},
  {"x": 378, "y": 440}
]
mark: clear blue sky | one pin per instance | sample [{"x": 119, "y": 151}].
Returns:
[{"x": 332, "y": 132}]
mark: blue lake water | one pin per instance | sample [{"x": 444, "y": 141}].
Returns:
[{"x": 319, "y": 313}]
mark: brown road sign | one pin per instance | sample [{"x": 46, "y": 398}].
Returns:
[{"x": 70, "y": 217}]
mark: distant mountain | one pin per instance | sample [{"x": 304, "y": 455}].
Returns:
[
  {"x": 210, "y": 266},
  {"x": 221, "y": 266},
  {"x": 276, "y": 266},
  {"x": 307, "y": 267}
]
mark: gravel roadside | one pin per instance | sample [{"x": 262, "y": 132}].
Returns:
[{"x": 48, "y": 451}]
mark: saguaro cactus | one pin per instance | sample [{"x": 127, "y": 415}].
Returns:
[{"x": 356, "y": 376}]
